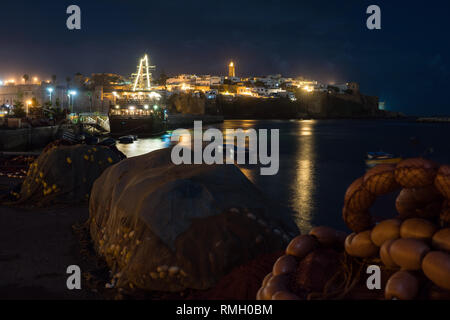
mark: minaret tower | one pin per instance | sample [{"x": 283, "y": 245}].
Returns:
[{"x": 231, "y": 70}]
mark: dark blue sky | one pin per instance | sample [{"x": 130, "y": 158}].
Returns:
[{"x": 405, "y": 63}]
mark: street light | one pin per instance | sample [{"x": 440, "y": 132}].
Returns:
[
  {"x": 28, "y": 106},
  {"x": 50, "y": 90},
  {"x": 71, "y": 93},
  {"x": 115, "y": 96}
]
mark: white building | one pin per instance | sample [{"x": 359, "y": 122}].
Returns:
[
  {"x": 194, "y": 80},
  {"x": 267, "y": 92},
  {"x": 40, "y": 94},
  {"x": 342, "y": 87}
]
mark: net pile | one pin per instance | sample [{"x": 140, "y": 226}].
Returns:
[
  {"x": 65, "y": 174},
  {"x": 169, "y": 228},
  {"x": 416, "y": 172},
  {"x": 357, "y": 202},
  {"x": 443, "y": 185},
  {"x": 424, "y": 183}
]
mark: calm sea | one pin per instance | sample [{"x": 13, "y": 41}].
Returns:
[{"x": 320, "y": 158}]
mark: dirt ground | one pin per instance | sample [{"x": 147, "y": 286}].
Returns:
[{"x": 36, "y": 247}]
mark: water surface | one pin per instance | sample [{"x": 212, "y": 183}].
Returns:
[{"x": 320, "y": 158}]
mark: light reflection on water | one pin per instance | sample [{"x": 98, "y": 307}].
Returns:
[
  {"x": 144, "y": 145},
  {"x": 303, "y": 185}
]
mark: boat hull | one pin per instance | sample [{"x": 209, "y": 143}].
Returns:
[
  {"x": 374, "y": 162},
  {"x": 142, "y": 126}
]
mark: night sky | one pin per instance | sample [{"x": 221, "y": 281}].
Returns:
[{"x": 406, "y": 63}]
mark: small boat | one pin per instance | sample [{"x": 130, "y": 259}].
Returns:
[
  {"x": 127, "y": 139},
  {"x": 375, "y": 158},
  {"x": 109, "y": 142}
]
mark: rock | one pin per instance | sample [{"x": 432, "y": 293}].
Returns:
[
  {"x": 193, "y": 217},
  {"x": 65, "y": 174}
]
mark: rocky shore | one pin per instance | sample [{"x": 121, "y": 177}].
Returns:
[{"x": 316, "y": 106}]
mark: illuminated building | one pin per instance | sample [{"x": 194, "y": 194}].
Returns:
[
  {"x": 308, "y": 88},
  {"x": 244, "y": 91},
  {"x": 185, "y": 82},
  {"x": 354, "y": 86},
  {"x": 231, "y": 70},
  {"x": 12, "y": 92}
]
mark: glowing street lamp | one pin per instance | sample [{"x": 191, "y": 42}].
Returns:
[
  {"x": 50, "y": 90},
  {"x": 154, "y": 95},
  {"x": 72, "y": 93},
  {"x": 115, "y": 96},
  {"x": 308, "y": 88},
  {"x": 28, "y": 102}
]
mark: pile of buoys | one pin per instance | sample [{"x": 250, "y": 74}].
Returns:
[
  {"x": 425, "y": 192},
  {"x": 414, "y": 246},
  {"x": 417, "y": 242},
  {"x": 317, "y": 250}
]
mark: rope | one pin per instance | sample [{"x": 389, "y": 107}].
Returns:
[{"x": 343, "y": 281}]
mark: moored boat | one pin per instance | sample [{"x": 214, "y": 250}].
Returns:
[
  {"x": 137, "y": 119},
  {"x": 375, "y": 158}
]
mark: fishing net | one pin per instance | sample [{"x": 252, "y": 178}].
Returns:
[
  {"x": 424, "y": 183},
  {"x": 425, "y": 202},
  {"x": 380, "y": 179},
  {"x": 415, "y": 172},
  {"x": 445, "y": 214},
  {"x": 357, "y": 221},
  {"x": 165, "y": 227},
  {"x": 357, "y": 201},
  {"x": 242, "y": 283},
  {"x": 57, "y": 143},
  {"x": 357, "y": 198},
  {"x": 315, "y": 270},
  {"x": 442, "y": 181},
  {"x": 65, "y": 174}
]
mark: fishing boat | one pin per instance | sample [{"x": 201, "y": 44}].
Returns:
[
  {"x": 138, "y": 109},
  {"x": 375, "y": 158},
  {"x": 137, "y": 118}
]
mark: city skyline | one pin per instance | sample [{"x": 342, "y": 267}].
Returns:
[{"x": 404, "y": 63}]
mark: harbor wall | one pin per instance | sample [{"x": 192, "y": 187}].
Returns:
[
  {"x": 27, "y": 138},
  {"x": 175, "y": 121},
  {"x": 314, "y": 105}
]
